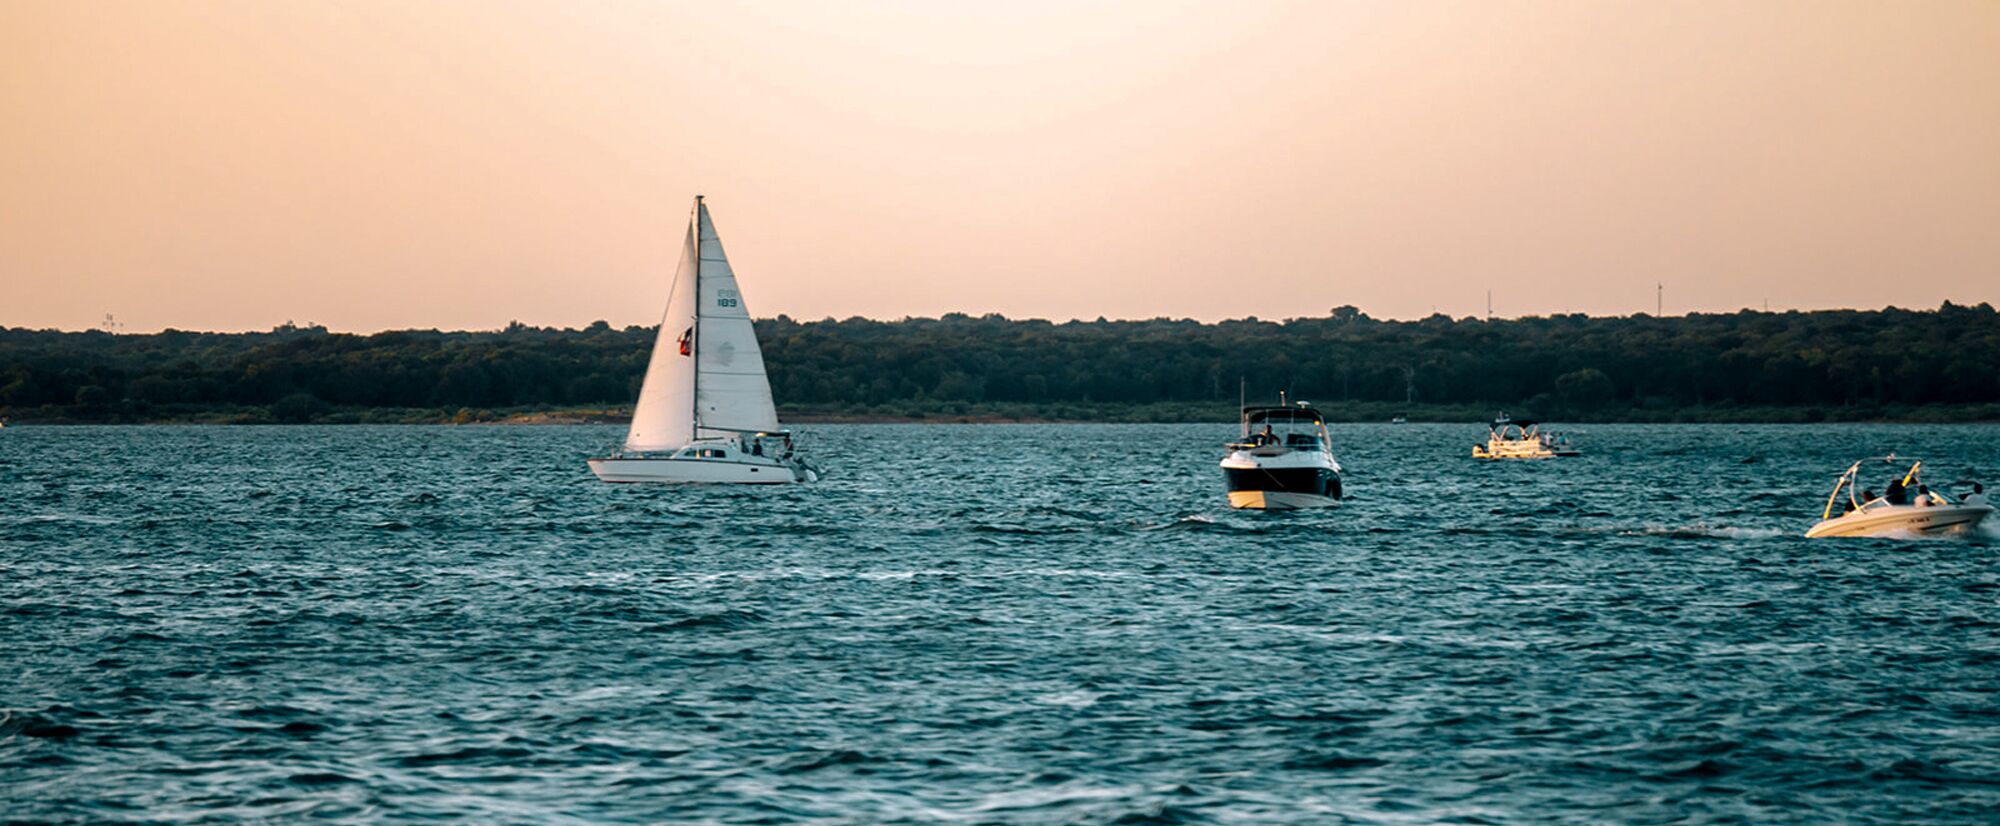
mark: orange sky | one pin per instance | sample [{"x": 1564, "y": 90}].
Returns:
[{"x": 371, "y": 165}]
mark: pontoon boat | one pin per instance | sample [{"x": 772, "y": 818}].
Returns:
[{"x": 1509, "y": 438}]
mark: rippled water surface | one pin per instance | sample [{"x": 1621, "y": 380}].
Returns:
[{"x": 983, "y": 624}]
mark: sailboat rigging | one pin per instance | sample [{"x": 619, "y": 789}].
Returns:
[{"x": 705, "y": 412}]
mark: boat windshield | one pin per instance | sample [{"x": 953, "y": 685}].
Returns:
[
  {"x": 1299, "y": 428},
  {"x": 1282, "y": 415}
]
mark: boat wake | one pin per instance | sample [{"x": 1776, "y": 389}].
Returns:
[{"x": 1703, "y": 531}]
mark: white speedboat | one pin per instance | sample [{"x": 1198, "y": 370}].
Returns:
[
  {"x": 1509, "y": 438},
  {"x": 705, "y": 412},
  {"x": 1908, "y": 507},
  {"x": 1282, "y": 460}
]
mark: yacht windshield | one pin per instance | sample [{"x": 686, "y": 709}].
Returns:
[{"x": 1298, "y": 428}]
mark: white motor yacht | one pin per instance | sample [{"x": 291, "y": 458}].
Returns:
[
  {"x": 1282, "y": 460},
  {"x": 1509, "y": 438},
  {"x": 705, "y": 412},
  {"x": 1907, "y": 507}
]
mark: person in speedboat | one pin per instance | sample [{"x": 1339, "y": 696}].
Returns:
[
  {"x": 1849, "y": 506},
  {"x": 1896, "y": 494},
  {"x": 1977, "y": 496}
]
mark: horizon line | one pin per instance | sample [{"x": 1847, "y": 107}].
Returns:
[{"x": 113, "y": 327}]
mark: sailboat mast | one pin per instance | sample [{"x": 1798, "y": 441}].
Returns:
[{"x": 694, "y": 339}]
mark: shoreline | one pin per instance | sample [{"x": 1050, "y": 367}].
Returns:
[
  {"x": 1336, "y": 413},
  {"x": 793, "y": 423}
]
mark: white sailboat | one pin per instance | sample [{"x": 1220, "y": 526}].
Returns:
[{"x": 705, "y": 412}]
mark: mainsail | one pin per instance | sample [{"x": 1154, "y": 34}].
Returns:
[
  {"x": 706, "y": 375},
  {"x": 731, "y": 391}
]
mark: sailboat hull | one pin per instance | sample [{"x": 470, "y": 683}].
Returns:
[{"x": 699, "y": 471}]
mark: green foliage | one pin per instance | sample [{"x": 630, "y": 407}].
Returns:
[
  {"x": 298, "y": 408},
  {"x": 1834, "y": 365},
  {"x": 1587, "y": 387}
]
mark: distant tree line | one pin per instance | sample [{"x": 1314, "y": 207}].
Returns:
[{"x": 1568, "y": 363}]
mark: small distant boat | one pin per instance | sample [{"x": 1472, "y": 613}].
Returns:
[
  {"x": 705, "y": 412},
  {"x": 1898, "y": 512},
  {"x": 1509, "y": 438},
  {"x": 1400, "y": 420},
  {"x": 1283, "y": 460}
]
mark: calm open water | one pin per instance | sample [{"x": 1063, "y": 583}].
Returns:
[{"x": 983, "y": 624}]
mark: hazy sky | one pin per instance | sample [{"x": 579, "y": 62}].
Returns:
[{"x": 232, "y": 165}]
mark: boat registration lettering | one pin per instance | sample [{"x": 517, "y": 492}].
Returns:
[{"x": 725, "y": 298}]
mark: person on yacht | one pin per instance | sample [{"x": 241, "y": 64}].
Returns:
[{"x": 1268, "y": 437}]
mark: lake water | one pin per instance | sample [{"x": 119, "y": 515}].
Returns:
[{"x": 984, "y": 623}]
